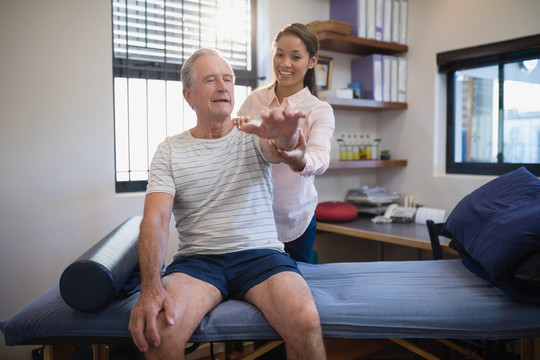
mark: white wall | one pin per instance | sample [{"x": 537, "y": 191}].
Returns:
[
  {"x": 56, "y": 125},
  {"x": 56, "y": 144}
]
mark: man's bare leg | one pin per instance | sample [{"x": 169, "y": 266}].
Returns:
[
  {"x": 193, "y": 300},
  {"x": 286, "y": 301}
]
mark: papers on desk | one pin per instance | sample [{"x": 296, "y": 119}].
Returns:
[
  {"x": 371, "y": 200},
  {"x": 423, "y": 214}
]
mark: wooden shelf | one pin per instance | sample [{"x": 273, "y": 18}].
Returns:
[
  {"x": 359, "y": 164},
  {"x": 359, "y": 46},
  {"x": 363, "y": 104}
]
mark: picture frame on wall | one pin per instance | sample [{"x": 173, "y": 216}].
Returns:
[{"x": 323, "y": 72}]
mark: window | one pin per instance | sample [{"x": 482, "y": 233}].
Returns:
[
  {"x": 493, "y": 108},
  {"x": 151, "y": 40}
]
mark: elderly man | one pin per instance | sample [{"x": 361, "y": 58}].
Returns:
[{"x": 216, "y": 181}]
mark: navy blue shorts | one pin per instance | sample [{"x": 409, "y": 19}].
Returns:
[{"x": 234, "y": 273}]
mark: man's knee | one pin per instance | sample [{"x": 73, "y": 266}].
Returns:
[
  {"x": 306, "y": 341},
  {"x": 305, "y": 311},
  {"x": 308, "y": 320},
  {"x": 173, "y": 339},
  {"x": 302, "y": 317}
]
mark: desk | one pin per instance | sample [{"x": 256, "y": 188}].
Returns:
[{"x": 409, "y": 234}]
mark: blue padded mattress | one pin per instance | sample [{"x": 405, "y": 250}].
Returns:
[{"x": 408, "y": 299}]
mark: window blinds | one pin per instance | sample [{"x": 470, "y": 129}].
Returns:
[{"x": 155, "y": 37}]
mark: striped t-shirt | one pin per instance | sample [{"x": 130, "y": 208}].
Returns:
[{"x": 222, "y": 189}]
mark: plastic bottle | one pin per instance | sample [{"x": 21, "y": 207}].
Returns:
[
  {"x": 342, "y": 148},
  {"x": 356, "y": 148},
  {"x": 375, "y": 149},
  {"x": 362, "y": 148},
  {"x": 368, "y": 148},
  {"x": 349, "y": 148},
  {"x": 334, "y": 150}
]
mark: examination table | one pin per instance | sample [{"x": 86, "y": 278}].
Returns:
[{"x": 391, "y": 300}]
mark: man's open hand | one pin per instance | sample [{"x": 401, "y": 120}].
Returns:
[{"x": 280, "y": 124}]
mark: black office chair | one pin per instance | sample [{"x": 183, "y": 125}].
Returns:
[{"x": 435, "y": 230}]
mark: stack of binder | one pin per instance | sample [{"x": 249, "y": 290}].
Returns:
[
  {"x": 371, "y": 200},
  {"x": 382, "y": 20},
  {"x": 381, "y": 77}
]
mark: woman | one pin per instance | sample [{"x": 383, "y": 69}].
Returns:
[{"x": 295, "y": 54}]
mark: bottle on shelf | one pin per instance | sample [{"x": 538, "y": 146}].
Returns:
[
  {"x": 375, "y": 149},
  {"x": 356, "y": 148},
  {"x": 342, "y": 148},
  {"x": 349, "y": 144},
  {"x": 362, "y": 149},
  {"x": 334, "y": 150},
  {"x": 368, "y": 148}
]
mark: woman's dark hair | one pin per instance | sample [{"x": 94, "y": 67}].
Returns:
[{"x": 310, "y": 40}]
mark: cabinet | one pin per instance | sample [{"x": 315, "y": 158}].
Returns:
[{"x": 359, "y": 46}]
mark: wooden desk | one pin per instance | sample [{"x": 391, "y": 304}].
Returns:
[{"x": 409, "y": 234}]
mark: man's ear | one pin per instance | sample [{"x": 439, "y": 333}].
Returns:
[{"x": 188, "y": 96}]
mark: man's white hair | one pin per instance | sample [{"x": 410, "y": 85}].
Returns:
[{"x": 188, "y": 73}]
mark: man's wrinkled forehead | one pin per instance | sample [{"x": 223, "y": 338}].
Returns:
[{"x": 208, "y": 66}]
